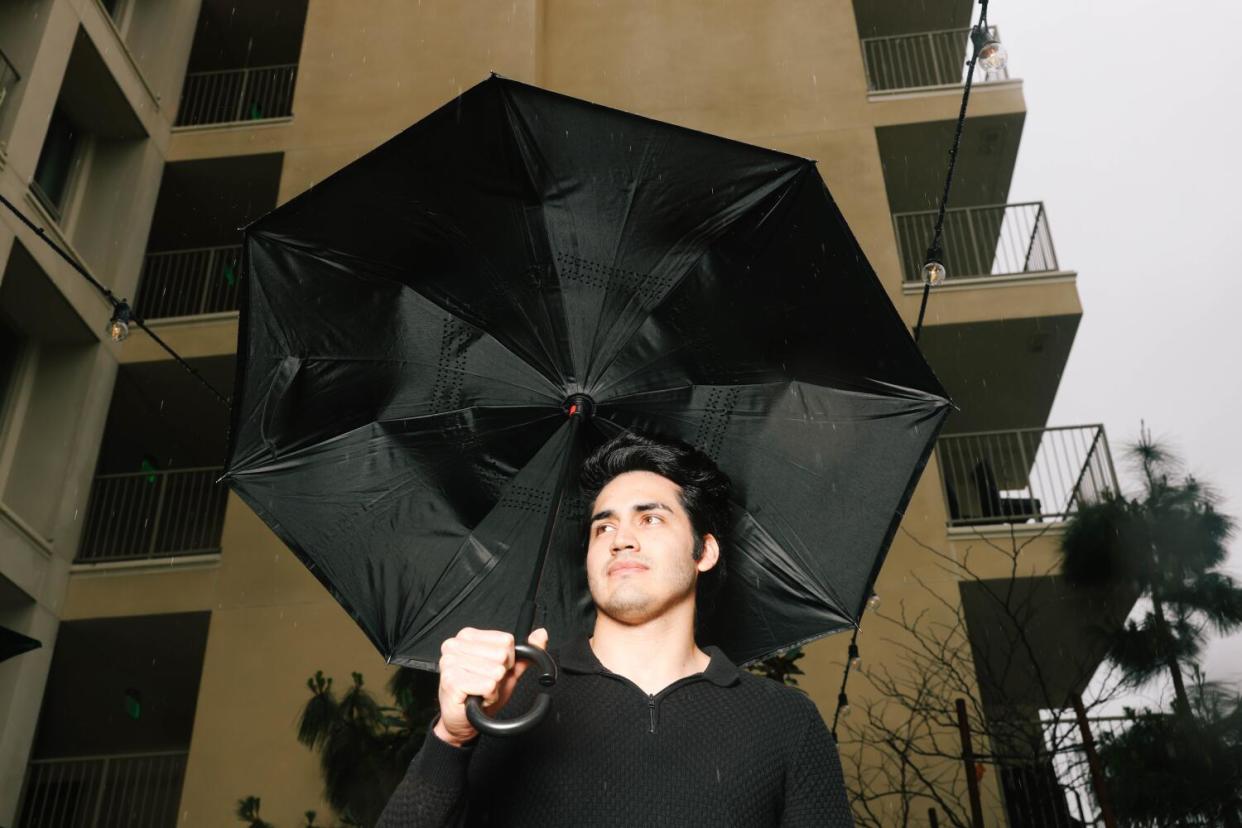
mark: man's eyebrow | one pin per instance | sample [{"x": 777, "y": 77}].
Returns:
[{"x": 641, "y": 507}]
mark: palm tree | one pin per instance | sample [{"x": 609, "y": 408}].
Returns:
[
  {"x": 1172, "y": 771},
  {"x": 1167, "y": 543},
  {"x": 364, "y": 747},
  {"x": 248, "y": 812}
]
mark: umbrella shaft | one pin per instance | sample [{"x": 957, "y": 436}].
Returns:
[{"x": 526, "y": 617}]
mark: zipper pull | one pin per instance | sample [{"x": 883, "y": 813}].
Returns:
[{"x": 651, "y": 710}]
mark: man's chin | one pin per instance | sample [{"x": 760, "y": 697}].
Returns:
[{"x": 628, "y": 608}]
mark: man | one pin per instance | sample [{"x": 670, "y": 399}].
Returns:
[{"x": 646, "y": 728}]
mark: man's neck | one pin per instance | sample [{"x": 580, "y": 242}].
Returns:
[{"x": 653, "y": 654}]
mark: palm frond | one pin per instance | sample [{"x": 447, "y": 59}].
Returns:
[
  {"x": 320, "y": 714},
  {"x": 1213, "y": 594},
  {"x": 1142, "y": 652}
]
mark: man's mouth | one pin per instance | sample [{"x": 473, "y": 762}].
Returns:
[{"x": 625, "y": 567}]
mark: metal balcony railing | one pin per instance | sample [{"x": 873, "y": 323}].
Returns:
[
  {"x": 153, "y": 514},
  {"x": 189, "y": 282},
  {"x": 8, "y": 79},
  {"x": 233, "y": 95},
  {"x": 1070, "y": 767},
  {"x": 921, "y": 60},
  {"x": 1030, "y": 474},
  {"x": 994, "y": 240},
  {"x": 138, "y": 790}
]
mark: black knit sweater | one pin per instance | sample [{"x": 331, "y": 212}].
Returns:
[{"x": 721, "y": 747}]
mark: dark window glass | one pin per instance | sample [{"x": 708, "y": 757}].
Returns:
[
  {"x": 112, "y": 7},
  {"x": 8, "y": 79},
  {"x": 56, "y": 160},
  {"x": 10, "y": 351}
]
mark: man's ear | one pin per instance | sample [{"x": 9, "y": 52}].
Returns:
[{"x": 710, "y": 553}]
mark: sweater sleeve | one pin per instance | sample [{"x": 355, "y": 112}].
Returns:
[
  {"x": 815, "y": 786},
  {"x": 433, "y": 792}
]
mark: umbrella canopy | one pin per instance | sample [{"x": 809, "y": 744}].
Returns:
[
  {"x": 14, "y": 644},
  {"x": 415, "y": 329}
]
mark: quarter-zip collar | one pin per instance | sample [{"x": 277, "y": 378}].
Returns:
[{"x": 578, "y": 657}]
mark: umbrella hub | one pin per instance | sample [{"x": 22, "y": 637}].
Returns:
[{"x": 578, "y": 405}]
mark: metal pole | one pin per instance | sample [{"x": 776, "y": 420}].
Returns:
[
  {"x": 968, "y": 759},
  {"x": 208, "y": 277},
  {"x": 932, "y": 818},
  {"x": 155, "y": 521},
  {"x": 1093, "y": 763},
  {"x": 99, "y": 798},
  {"x": 578, "y": 411}
]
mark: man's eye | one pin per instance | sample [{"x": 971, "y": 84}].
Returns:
[
  {"x": 652, "y": 519},
  {"x": 602, "y": 528}
]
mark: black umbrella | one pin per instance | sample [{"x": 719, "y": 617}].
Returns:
[
  {"x": 14, "y": 644},
  {"x": 432, "y": 338}
]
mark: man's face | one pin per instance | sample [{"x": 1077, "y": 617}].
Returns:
[{"x": 640, "y": 553}]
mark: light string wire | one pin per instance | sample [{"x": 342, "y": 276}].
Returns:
[
  {"x": 120, "y": 307},
  {"x": 978, "y": 36},
  {"x": 842, "y": 699},
  {"x": 935, "y": 253}
]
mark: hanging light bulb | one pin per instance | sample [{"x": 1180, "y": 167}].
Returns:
[
  {"x": 118, "y": 325},
  {"x": 992, "y": 55},
  {"x": 934, "y": 273},
  {"x": 873, "y": 602},
  {"x": 855, "y": 658},
  {"x": 843, "y": 705}
]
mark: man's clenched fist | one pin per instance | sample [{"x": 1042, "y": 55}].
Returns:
[{"x": 477, "y": 663}]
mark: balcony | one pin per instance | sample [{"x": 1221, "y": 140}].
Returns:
[
  {"x": 154, "y": 514},
  {"x": 1032, "y": 475},
  {"x": 155, "y": 494},
  {"x": 920, "y": 61},
  {"x": 979, "y": 242},
  {"x": 243, "y": 66},
  {"x": 110, "y": 750},
  {"x": 138, "y": 790},
  {"x": 193, "y": 261},
  {"x": 191, "y": 282},
  {"x": 237, "y": 95}
]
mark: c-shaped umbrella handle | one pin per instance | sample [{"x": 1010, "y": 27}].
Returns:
[{"x": 532, "y": 717}]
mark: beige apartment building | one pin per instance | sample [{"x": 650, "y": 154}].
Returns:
[{"x": 177, "y": 631}]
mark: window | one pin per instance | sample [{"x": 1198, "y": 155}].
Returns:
[
  {"x": 8, "y": 78},
  {"x": 10, "y": 352},
  {"x": 56, "y": 162}
]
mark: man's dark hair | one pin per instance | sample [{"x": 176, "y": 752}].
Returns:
[{"x": 705, "y": 491}]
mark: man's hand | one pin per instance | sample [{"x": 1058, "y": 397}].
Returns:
[{"x": 477, "y": 663}]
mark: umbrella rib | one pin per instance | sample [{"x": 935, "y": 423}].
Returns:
[
  {"x": 299, "y": 453},
  {"x": 338, "y": 258},
  {"x": 518, "y": 130},
  {"x": 441, "y": 612},
  {"x": 551, "y": 392},
  {"x": 616, "y": 249},
  {"x": 792, "y": 175}
]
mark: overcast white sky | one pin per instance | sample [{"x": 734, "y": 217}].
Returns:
[{"x": 1133, "y": 141}]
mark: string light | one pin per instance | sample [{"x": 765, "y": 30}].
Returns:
[
  {"x": 992, "y": 54},
  {"x": 981, "y": 38},
  {"x": 122, "y": 315},
  {"x": 873, "y": 602},
  {"x": 855, "y": 658},
  {"x": 843, "y": 705},
  {"x": 118, "y": 325}
]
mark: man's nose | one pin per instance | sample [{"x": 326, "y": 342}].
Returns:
[{"x": 624, "y": 540}]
